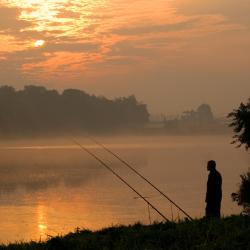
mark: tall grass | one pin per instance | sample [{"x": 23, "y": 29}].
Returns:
[{"x": 232, "y": 233}]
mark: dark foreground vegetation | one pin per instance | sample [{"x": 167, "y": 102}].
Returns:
[{"x": 228, "y": 233}]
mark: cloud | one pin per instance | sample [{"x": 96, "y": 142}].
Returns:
[
  {"x": 10, "y": 22},
  {"x": 76, "y": 47},
  {"x": 155, "y": 28},
  {"x": 63, "y": 13},
  {"x": 237, "y": 11},
  {"x": 39, "y": 64}
]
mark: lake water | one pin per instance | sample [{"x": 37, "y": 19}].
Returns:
[{"x": 51, "y": 187}]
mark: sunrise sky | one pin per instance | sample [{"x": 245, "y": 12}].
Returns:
[{"x": 173, "y": 55}]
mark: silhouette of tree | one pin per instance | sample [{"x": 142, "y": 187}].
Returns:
[
  {"x": 205, "y": 114},
  {"x": 202, "y": 115},
  {"x": 242, "y": 197},
  {"x": 241, "y": 124},
  {"x": 36, "y": 109}
]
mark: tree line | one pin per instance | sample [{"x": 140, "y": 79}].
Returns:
[
  {"x": 35, "y": 109},
  {"x": 201, "y": 120}
]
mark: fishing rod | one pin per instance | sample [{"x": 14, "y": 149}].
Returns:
[
  {"x": 120, "y": 178},
  {"x": 141, "y": 176}
]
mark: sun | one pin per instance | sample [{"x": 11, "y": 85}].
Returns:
[{"x": 39, "y": 43}]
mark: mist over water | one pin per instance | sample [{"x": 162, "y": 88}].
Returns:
[{"x": 51, "y": 187}]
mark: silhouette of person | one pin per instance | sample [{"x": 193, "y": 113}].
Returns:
[{"x": 214, "y": 191}]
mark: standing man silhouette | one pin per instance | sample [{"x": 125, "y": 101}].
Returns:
[{"x": 214, "y": 191}]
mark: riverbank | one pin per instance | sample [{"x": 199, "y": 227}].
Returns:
[{"x": 231, "y": 233}]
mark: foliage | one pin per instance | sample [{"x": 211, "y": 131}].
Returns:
[
  {"x": 229, "y": 233},
  {"x": 241, "y": 123},
  {"x": 196, "y": 121},
  {"x": 242, "y": 197},
  {"x": 35, "y": 109},
  {"x": 203, "y": 115}
]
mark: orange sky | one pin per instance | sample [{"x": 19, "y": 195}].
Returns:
[{"x": 173, "y": 55}]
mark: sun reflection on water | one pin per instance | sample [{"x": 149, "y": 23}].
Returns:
[{"x": 42, "y": 221}]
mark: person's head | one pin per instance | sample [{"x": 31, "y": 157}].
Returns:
[{"x": 211, "y": 165}]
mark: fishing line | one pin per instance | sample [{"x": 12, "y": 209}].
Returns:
[
  {"x": 141, "y": 176},
  {"x": 120, "y": 178}
]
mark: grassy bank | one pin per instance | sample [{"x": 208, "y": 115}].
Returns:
[{"x": 228, "y": 233}]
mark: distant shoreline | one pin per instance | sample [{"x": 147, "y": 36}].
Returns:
[{"x": 121, "y": 132}]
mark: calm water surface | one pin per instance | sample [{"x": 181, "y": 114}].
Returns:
[{"x": 51, "y": 187}]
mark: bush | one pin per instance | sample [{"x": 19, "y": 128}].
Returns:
[{"x": 242, "y": 197}]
